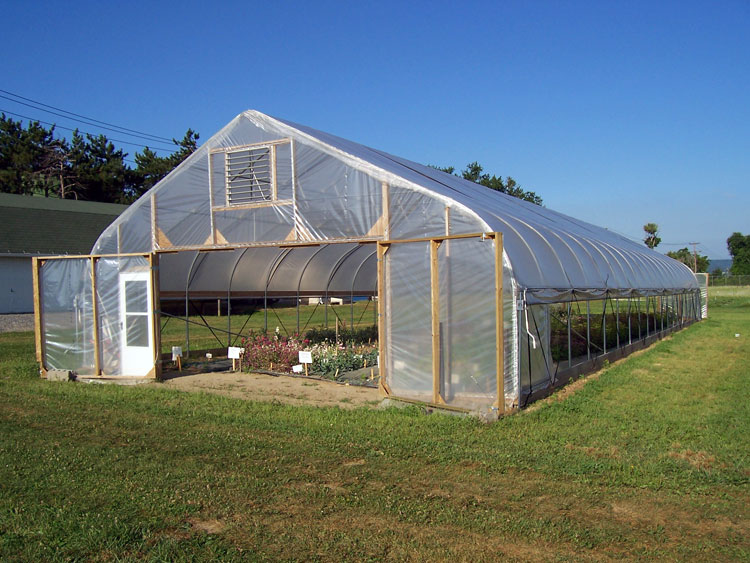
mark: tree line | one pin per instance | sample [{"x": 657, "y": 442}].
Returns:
[
  {"x": 738, "y": 245},
  {"x": 474, "y": 172},
  {"x": 35, "y": 161}
]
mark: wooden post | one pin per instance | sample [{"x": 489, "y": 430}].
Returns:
[
  {"x": 153, "y": 260},
  {"x": 435, "y": 300},
  {"x": 499, "y": 324},
  {"x": 383, "y": 386},
  {"x": 386, "y": 211},
  {"x": 36, "y": 265},
  {"x": 212, "y": 235},
  {"x": 154, "y": 227},
  {"x": 95, "y": 314}
]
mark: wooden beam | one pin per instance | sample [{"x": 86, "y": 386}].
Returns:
[
  {"x": 251, "y": 145},
  {"x": 386, "y": 214},
  {"x": 499, "y": 323},
  {"x": 95, "y": 314},
  {"x": 437, "y": 397},
  {"x": 154, "y": 233},
  {"x": 211, "y": 202},
  {"x": 153, "y": 259},
  {"x": 264, "y": 203},
  {"x": 384, "y": 389},
  {"x": 87, "y": 256},
  {"x": 36, "y": 265},
  {"x": 274, "y": 186},
  {"x": 488, "y": 236}
]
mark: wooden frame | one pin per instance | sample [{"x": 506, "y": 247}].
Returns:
[
  {"x": 153, "y": 260},
  {"x": 382, "y": 332},
  {"x": 254, "y": 205},
  {"x": 499, "y": 323},
  {"x": 36, "y": 264},
  {"x": 438, "y": 401},
  {"x": 437, "y": 396},
  {"x": 95, "y": 315}
]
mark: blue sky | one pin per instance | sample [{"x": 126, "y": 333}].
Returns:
[{"x": 618, "y": 113}]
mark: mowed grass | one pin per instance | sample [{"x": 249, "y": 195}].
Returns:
[{"x": 648, "y": 460}]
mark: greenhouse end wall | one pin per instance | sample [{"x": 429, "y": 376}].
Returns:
[{"x": 95, "y": 316}]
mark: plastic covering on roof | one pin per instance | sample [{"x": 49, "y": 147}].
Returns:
[{"x": 328, "y": 188}]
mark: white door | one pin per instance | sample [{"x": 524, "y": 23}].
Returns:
[{"x": 137, "y": 329}]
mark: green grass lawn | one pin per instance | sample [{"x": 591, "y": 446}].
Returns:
[{"x": 648, "y": 460}]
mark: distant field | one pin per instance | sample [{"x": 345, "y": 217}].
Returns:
[
  {"x": 729, "y": 291},
  {"x": 649, "y": 460}
]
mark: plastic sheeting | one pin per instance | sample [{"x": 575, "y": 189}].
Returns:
[
  {"x": 67, "y": 314},
  {"x": 408, "y": 321},
  {"x": 336, "y": 193},
  {"x": 466, "y": 320},
  {"x": 109, "y": 302}
]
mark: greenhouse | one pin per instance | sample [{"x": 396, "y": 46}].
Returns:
[{"x": 482, "y": 301}]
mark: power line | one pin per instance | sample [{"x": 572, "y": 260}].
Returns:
[
  {"x": 93, "y": 122},
  {"x": 156, "y": 137},
  {"x": 69, "y": 129}
]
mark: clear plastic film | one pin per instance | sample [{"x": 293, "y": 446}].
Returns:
[
  {"x": 115, "y": 327},
  {"x": 67, "y": 315},
  {"x": 408, "y": 318},
  {"x": 467, "y": 322}
]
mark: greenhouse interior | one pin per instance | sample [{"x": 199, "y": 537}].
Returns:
[{"x": 477, "y": 301}]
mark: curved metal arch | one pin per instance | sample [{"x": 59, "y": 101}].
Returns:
[
  {"x": 188, "y": 279},
  {"x": 302, "y": 274},
  {"x": 335, "y": 269},
  {"x": 229, "y": 297},
  {"x": 354, "y": 282},
  {"x": 271, "y": 271}
]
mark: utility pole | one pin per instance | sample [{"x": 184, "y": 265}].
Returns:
[{"x": 695, "y": 256}]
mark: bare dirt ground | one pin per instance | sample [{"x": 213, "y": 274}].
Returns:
[{"x": 287, "y": 390}]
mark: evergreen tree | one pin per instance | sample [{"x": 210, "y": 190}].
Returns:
[
  {"x": 151, "y": 168},
  {"x": 474, "y": 173},
  {"x": 651, "y": 240}
]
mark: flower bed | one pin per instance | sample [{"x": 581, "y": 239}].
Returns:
[{"x": 280, "y": 353}]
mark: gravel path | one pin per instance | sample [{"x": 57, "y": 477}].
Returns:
[{"x": 14, "y": 323}]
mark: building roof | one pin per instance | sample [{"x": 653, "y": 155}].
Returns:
[{"x": 46, "y": 225}]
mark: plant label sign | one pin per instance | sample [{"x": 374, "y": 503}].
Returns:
[
  {"x": 297, "y": 368},
  {"x": 176, "y": 352},
  {"x": 305, "y": 357},
  {"x": 234, "y": 352}
]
